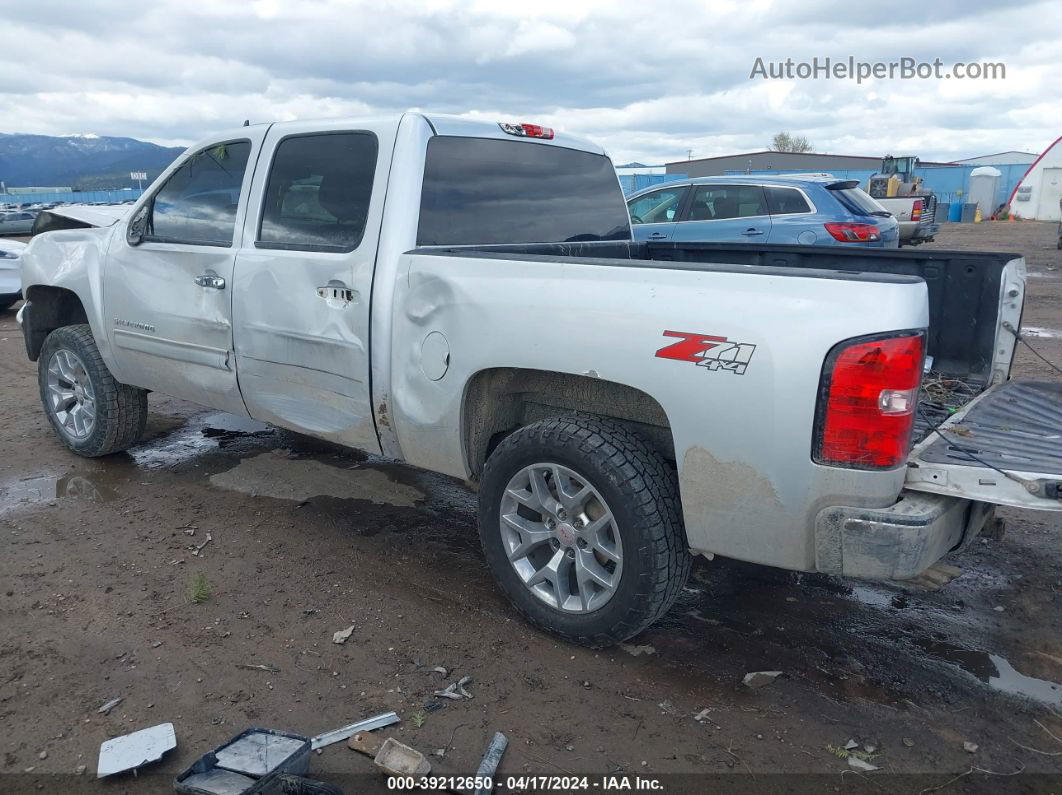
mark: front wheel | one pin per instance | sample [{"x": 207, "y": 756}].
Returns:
[
  {"x": 91, "y": 412},
  {"x": 581, "y": 526}
]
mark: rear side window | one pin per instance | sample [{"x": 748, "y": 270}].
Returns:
[
  {"x": 858, "y": 201},
  {"x": 657, "y": 207},
  {"x": 480, "y": 191},
  {"x": 198, "y": 203},
  {"x": 317, "y": 195},
  {"x": 719, "y": 202},
  {"x": 786, "y": 201}
]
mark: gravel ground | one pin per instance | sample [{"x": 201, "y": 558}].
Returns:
[{"x": 304, "y": 539}]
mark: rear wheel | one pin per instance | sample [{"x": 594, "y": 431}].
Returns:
[
  {"x": 92, "y": 413},
  {"x": 580, "y": 524}
]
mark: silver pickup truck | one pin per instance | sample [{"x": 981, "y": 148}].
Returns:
[{"x": 466, "y": 297}]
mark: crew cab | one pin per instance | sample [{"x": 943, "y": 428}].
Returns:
[{"x": 466, "y": 297}]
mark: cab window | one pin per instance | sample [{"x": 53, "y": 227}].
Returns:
[
  {"x": 317, "y": 196},
  {"x": 198, "y": 203}
]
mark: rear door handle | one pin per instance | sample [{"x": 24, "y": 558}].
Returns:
[
  {"x": 657, "y": 236},
  {"x": 752, "y": 231},
  {"x": 211, "y": 280},
  {"x": 336, "y": 292}
]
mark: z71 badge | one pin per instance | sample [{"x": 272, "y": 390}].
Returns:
[{"x": 706, "y": 350}]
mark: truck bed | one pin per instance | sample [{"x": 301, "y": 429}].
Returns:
[{"x": 964, "y": 291}]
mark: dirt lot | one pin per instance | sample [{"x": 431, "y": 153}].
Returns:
[{"x": 305, "y": 540}]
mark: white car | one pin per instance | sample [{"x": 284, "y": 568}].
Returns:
[{"x": 10, "y": 272}]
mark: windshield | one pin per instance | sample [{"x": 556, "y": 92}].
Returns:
[{"x": 480, "y": 191}]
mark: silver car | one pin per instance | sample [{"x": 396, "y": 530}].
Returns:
[{"x": 20, "y": 223}]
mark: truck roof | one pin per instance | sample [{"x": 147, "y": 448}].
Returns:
[{"x": 441, "y": 124}]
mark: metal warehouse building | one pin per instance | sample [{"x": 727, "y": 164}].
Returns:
[{"x": 771, "y": 161}]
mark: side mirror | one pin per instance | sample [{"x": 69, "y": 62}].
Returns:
[{"x": 134, "y": 233}]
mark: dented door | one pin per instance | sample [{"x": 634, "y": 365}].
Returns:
[{"x": 303, "y": 279}]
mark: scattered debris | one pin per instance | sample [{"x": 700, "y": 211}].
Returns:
[
  {"x": 199, "y": 547},
  {"x": 702, "y": 716},
  {"x": 264, "y": 667},
  {"x": 106, "y": 708},
  {"x": 999, "y": 608},
  {"x": 856, "y": 763},
  {"x": 80, "y": 770},
  {"x": 456, "y": 690},
  {"x": 42, "y": 755},
  {"x": 666, "y": 707},
  {"x": 343, "y": 635},
  {"x": 908, "y": 742},
  {"x": 364, "y": 743},
  {"x": 760, "y": 678},
  {"x": 361, "y": 726},
  {"x": 156, "y": 644},
  {"x": 401, "y": 760},
  {"x": 635, "y": 651},
  {"x": 970, "y": 748},
  {"x": 848, "y": 746},
  {"x": 131, "y": 751},
  {"x": 491, "y": 759},
  {"x": 439, "y": 670}
]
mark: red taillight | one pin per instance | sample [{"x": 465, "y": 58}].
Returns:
[
  {"x": 527, "y": 130},
  {"x": 916, "y": 210},
  {"x": 867, "y": 402},
  {"x": 853, "y": 233}
]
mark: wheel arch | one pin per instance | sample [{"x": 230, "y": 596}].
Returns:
[
  {"x": 500, "y": 400},
  {"x": 49, "y": 308}
]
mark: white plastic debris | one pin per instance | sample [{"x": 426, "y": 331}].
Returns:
[
  {"x": 970, "y": 748},
  {"x": 131, "y": 751},
  {"x": 856, "y": 763},
  {"x": 760, "y": 678},
  {"x": 343, "y": 635}
]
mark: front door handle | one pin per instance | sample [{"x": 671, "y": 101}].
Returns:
[
  {"x": 752, "y": 231},
  {"x": 657, "y": 236},
  {"x": 211, "y": 280}
]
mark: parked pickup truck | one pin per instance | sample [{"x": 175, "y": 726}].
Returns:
[
  {"x": 916, "y": 215},
  {"x": 466, "y": 297}
]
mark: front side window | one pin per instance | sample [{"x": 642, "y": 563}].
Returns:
[
  {"x": 719, "y": 202},
  {"x": 658, "y": 207},
  {"x": 484, "y": 191},
  {"x": 198, "y": 203},
  {"x": 317, "y": 196},
  {"x": 786, "y": 201}
]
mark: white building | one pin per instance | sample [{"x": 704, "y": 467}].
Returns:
[
  {"x": 1038, "y": 193},
  {"x": 999, "y": 159}
]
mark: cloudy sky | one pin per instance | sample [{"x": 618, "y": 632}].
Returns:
[{"x": 648, "y": 80}]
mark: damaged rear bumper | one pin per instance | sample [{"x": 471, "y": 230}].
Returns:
[{"x": 897, "y": 542}]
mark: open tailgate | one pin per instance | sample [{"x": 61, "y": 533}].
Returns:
[{"x": 1003, "y": 447}]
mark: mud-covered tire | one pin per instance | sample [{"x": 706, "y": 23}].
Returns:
[
  {"x": 120, "y": 410},
  {"x": 641, "y": 491}
]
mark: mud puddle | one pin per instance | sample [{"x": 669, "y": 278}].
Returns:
[
  {"x": 275, "y": 474},
  {"x": 55, "y": 487},
  {"x": 201, "y": 436}
]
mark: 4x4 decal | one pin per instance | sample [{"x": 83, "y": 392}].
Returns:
[{"x": 707, "y": 350}]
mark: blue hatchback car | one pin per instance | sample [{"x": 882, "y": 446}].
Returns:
[{"x": 814, "y": 210}]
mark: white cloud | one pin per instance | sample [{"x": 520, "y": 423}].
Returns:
[{"x": 650, "y": 81}]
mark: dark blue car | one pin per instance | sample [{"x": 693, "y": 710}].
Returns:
[{"x": 815, "y": 210}]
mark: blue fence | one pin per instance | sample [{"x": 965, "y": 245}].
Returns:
[
  {"x": 950, "y": 183},
  {"x": 75, "y": 197},
  {"x": 636, "y": 182}
]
